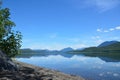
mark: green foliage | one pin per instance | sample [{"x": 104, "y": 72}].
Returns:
[{"x": 10, "y": 41}]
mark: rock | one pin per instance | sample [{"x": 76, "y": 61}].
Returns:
[
  {"x": 27, "y": 70},
  {"x": 6, "y": 63}
]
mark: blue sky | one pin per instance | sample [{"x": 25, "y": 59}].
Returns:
[{"x": 56, "y": 24}]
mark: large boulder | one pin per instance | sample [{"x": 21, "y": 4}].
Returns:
[{"x": 6, "y": 63}]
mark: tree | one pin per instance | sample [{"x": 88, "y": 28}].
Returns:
[{"x": 10, "y": 40}]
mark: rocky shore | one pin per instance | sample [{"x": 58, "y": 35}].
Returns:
[
  {"x": 15, "y": 70},
  {"x": 30, "y": 72}
]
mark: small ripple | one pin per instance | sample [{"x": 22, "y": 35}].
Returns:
[
  {"x": 109, "y": 72},
  {"x": 115, "y": 74},
  {"x": 117, "y": 65},
  {"x": 97, "y": 67},
  {"x": 101, "y": 74}
]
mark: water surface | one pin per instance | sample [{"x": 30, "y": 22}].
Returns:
[{"x": 91, "y": 68}]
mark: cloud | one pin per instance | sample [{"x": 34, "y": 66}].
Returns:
[
  {"x": 102, "y": 5},
  {"x": 108, "y": 30},
  {"x": 117, "y": 28},
  {"x": 105, "y": 31},
  {"x": 76, "y": 43},
  {"x": 99, "y": 30},
  {"x": 54, "y": 46},
  {"x": 97, "y": 39},
  {"x": 111, "y": 29},
  {"x": 77, "y": 46}
]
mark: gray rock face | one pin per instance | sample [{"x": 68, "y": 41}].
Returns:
[{"x": 6, "y": 63}]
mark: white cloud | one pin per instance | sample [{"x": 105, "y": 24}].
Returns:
[
  {"x": 54, "y": 46},
  {"x": 76, "y": 46},
  {"x": 117, "y": 28},
  {"x": 96, "y": 37},
  {"x": 97, "y": 40},
  {"x": 111, "y": 29},
  {"x": 105, "y": 31},
  {"x": 76, "y": 43},
  {"x": 102, "y": 5},
  {"x": 108, "y": 30},
  {"x": 99, "y": 30}
]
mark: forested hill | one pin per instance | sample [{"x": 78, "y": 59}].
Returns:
[
  {"x": 110, "y": 48},
  {"x": 110, "y": 51}
]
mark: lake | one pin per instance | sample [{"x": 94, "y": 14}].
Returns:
[{"x": 90, "y": 68}]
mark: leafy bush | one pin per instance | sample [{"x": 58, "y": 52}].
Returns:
[{"x": 10, "y": 41}]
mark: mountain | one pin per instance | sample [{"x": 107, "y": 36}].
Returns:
[
  {"x": 66, "y": 49},
  {"x": 106, "y": 43},
  {"x": 28, "y": 50},
  {"x": 80, "y": 48},
  {"x": 113, "y": 47},
  {"x": 109, "y": 51}
]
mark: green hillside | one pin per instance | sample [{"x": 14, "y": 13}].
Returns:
[
  {"x": 26, "y": 50},
  {"x": 110, "y": 48},
  {"x": 111, "y": 51}
]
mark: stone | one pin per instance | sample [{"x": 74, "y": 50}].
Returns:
[{"x": 6, "y": 63}]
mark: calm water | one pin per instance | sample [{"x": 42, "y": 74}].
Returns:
[{"x": 91, "y": 68}]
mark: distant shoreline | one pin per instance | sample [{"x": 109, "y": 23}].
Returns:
[{"x": 48, "y": 74}]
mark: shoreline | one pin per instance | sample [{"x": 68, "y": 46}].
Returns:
[{"x": 43, "y": 73}]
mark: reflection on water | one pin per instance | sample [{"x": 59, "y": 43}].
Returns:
[{"x": 91, "y": 68}]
